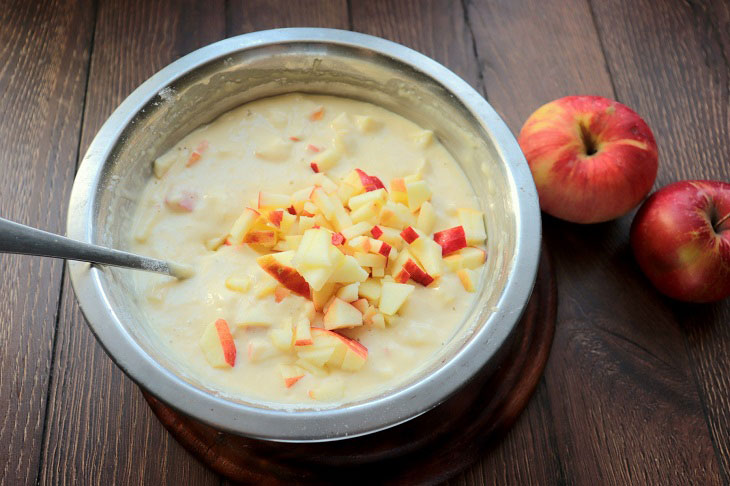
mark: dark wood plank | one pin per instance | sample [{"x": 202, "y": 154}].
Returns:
[
  {"x": 682, "y": 86},
  {"x": 437, "y": 28},
  {"x": 619, "y": 381},
  {"x": 44, "y": 51},
  {"x": 100, "y": 430},
  {"x": 244, "y": 16}
]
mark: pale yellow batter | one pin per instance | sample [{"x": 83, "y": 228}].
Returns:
[{"x": 201, "y": 187}]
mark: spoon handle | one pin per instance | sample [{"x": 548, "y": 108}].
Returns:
[{"x": 18, "y": 238}]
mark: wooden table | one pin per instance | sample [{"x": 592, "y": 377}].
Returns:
[{"x": 637, "y": 389}]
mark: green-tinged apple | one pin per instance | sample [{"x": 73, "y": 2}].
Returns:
[
  {"x": 681, "y": 240},
  {"x": 593, "y": 159}
]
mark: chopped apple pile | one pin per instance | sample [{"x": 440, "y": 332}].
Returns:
[{"x": 356, "y": 250}]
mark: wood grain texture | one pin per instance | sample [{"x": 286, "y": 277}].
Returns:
[
  {"x": 619, "y": 382},
  {"x": 682, "y": 87},
  {"x": 436, "y": 28},
  {"x": 100, "y": 430},
  {"x": 244, "y": 16},
  {"x": 43, "y": 67}
]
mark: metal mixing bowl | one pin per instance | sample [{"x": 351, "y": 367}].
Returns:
[{"x": 208, "y": 82}]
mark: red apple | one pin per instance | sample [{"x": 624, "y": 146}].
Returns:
[
  {"x": 593, "y": 159},
  {"x": 417, "y": 273},
  {"x": 409, "y": 234},
  {"x": 681, "y": 240}
]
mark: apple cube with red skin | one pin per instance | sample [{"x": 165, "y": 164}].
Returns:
[
  {"x": 592, "y": 158},
  {"x": 389, "y": 235},
  {"x": 428, "y": 253},
  {"x": 349, "y": 354},
  {"x": 681, "y": 240},
  {"x": 409, "y": 235},
  {"x": 338, "y": 239},
  {"x": 218, "y": 345},
  {"x": 451, "y": 240},
  {"x": 361, "y": 305},
  {"x": 302, "y": 333},
  {"x": 275, "y": 217},
  {"x": 340, "y": 315},
  {"x": 243, "y": 225},
  {"x": 278, "y": 265},
  {"x": 290, "y": 374},
  {"x": 370, "y": 183},
  {"x": 417, "y": 273},
  {"x": 325, "y": 160}
]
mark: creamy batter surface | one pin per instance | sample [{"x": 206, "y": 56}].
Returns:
[{"x": 277, "y": 177}]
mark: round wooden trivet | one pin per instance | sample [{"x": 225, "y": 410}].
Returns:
[{"x": 426, "y": 450}]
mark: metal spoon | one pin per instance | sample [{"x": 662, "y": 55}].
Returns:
[{"x": 18, "y": 238}]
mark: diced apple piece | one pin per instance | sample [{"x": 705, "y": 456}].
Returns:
[
  {"x": 417, "y": 273},
  {"x": 218, "y": 345},
  {"x": 418, "y": 193},
  {"x": 243, "y": 225},
  {"x": 356, "y": 230},
  {"x": 356, "y": 356},
  {"x": 260, "y": 349},
  {"x": 302, "y": 334},
  {"x": 338, "y": 239},
  {"x": 396, "y": 215},
  {"x": 348, "y": 272},
  {"x": 428, "y": 253},
  {"x": 468, "y": 279},
  {"x": 260, "y": 237},
  {"x": 398, "y": 191},
  {"x": 288, "y": 221},
  {"x": 349, "y": 293},
  {"x": 274, "y": 150},
  {"x": 370, "y": 183},
  {"x": 369, "y": 212},
  {"x": 317, "y": 114},
  {"x": 322, "y": 296},
  {"x": 389, "y": 235},
  {"x": 392, "y": 296},
  {"x": 282, "y": 337},
  {"x": 238, "y": 283},
  {"x": 381, "y": 247},
  {"x": 366, "y": 123},
  {"x": 300, "y": 197},
  {"x": 325, "y": 160},
  {"x": 317, "y": 356},
  {"x": 275, "y": 217},
  {"x": 279, "y": 266},
  {"x": 469, "y": 257},
  {"x": 409, "y": 235},
  {"x": 396, "y": 267},
  {"x": 270, "y": 200},
  {"x": 325, "y": 182},
  {"x": 305, "y": 223},
  {"x": 196, "y": 154},
  {"x": 423, "y": 138},
  {"x": 473, "y": 223},
  {"x": 378, "y": 321},
  {"x": 181, "y": 200},
  {"x": 314, "y": 249},
  {"x": 372, "y": 260},
  {"x": 370, "y": 289},
  {"x": 346, "y": 191},
  {"x": 451, "y": 240},
  {"x": 311, "y": 368},
  {"x": 290, "y": 374},
  {"x": 322, "y": 201},
  {"x": 341, "y": 315},
  {"x": 328, "y": 391},
  {"x": 361, "y": 305},
  {"x": 426, "y": 218},
  {"x": 293, "y": 241},
  {"x": 377, "y": 196}
]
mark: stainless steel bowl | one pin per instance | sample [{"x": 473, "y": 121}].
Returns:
[{"x": 208, "y": 82}]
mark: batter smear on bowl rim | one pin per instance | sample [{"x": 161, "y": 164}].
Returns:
[{"x": 337, "y": 246}]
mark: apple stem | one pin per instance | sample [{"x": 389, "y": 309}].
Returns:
[
  {"x": 719, "y": 223},
  {"x": 589, "y": 143}
]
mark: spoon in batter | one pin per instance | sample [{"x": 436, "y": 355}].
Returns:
[{"x": 18, "y": 238}]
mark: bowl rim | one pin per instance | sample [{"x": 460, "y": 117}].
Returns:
[{"x": 327, "y": 424}]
